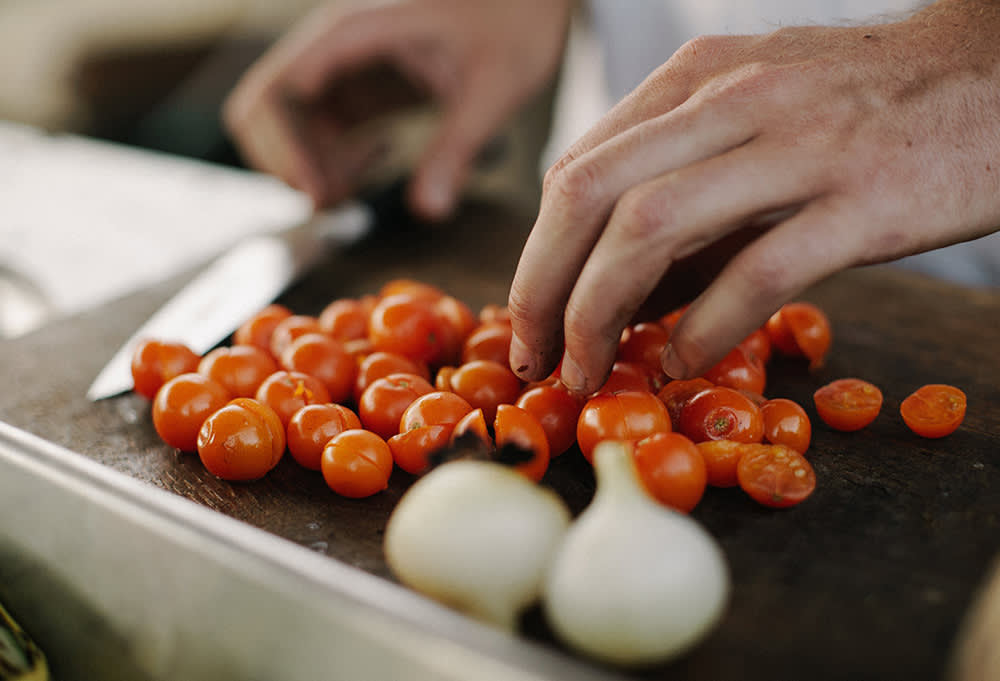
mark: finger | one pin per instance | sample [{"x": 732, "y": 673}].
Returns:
[
  {"x": 658, "y": 223},
  {"x": 769, "y": 272},
  {"x": 577, "y": 203}
]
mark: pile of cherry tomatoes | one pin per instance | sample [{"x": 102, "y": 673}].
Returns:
[{"x": 387, "y": 380}]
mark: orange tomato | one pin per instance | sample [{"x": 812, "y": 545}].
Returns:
[
  {"x": 934, "y": 410},
  {"x": 672, "y": 470},
  {"x": 786, "y": 423},
  {"x": 243, "y": 440},
  {"x": 181, "y": 406},
  {"x": 848, "y": 404},
  {"x": 356, "y": 464},
  {"x": 312, "y": 426},
  {"x": 154, "y": 362},
  {"x": 776, "y": 476},
  {"x": 625, "y": 416}
]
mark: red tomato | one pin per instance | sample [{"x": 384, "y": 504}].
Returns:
[
  {"x": 676, "y": 393},
  {"x": 740, "y": 370},
  {"x": 934, "y": 410},
  {"x": 408, "y": 326},
  {"x": 801, "y": 330},
  {"x": 518, "y": 427},
  {"x": 758, "y": 344},
  {"x": 786, "y": 423},
  {"x": 380, "y": 364},
  {"x": 643, "y": 344},
  {"x": 412, "y": 449},
  {"x": 312, "y": 426},
  {"x": 319, "y": 355},
  {"x": 155, "y": 362},
  {"x": 848, "y": 404},
  {"x": 721, "y": 459},
  {"x": 490, "y": 340},
  {"x": 243, "y": 440},
  {"x": 626, "y": 376},
  {"x": 485, "y": 384},
  {"x": 669, "y": 320},
  {"x": 182, "y": 404},
  {"x": 672, "y": 470},
  {"x": 436, "y": 408},
  {"x": 558, "y": 410},
  {"x": 356, "y": 464},
  {"x": 383, "y": 402},
  {"x": 625, "y": 416},
  {"x": 240, "y": 369},
  {"x": 288, "y": 391},
  {"x": 290, "y": 328},
  {"x": 776, "y": 476},
  {"x": 258, "y": 329},
  {"x": 346, "y": 319},
  {"x": 721, "y": 413}
]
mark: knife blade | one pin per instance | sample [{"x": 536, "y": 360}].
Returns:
[{"x": 245, "y": 279}]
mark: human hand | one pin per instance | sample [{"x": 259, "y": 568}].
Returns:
[
  {"x": 294, "y": 111},
  {"x": 752, "y": 167}
]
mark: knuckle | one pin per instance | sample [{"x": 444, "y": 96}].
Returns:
[
  {"x": 642, "y": 216},
  {"x": 573, "y": 181}
]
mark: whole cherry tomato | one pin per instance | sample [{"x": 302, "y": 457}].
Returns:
[
  {"x": 786, "y": 423},
  {"x": 801, "y": 329},
  {"x": 240, "y": 369},
  {"x": 518, "y": 427},
  {"x": 934, "y": 410},
  {"x": 489, "y": 340},
  {"x": 676, "y": 393},
  {"x": 290, "y": 328},
  {"x": 356, "y": 464},
  {"x": 435, "y": 408},
  {"x": 740, "y": 370},
  {"x": 412, "y": 449},
  {"x": 625, "y": 416},
  {"x": 721, "y": 413},
  {"x": 643, "y": 344},
  {"x": 408, "y": 326},
  {"x": 485, "y": 384},
  {"x": 319, "y": 355},
  {"x": 312, "y": 426},
  {"x": 776, "y": 476},
  {"x": 383, "y": 402},
  {"x": 154, "y": 362},
  {"x": 410, "y": 287},
  {"x": 346, "y": 319},
  {"x": 288, "y": 391},
  {"x": 243, "y": 440},
  {"x": 182, "y": 404},
  {"x": 457, "y": 322},
  {"x": 672, "y": 470},
  {"x": 758, "y": 344},
  {"x": 380, "y": 364},
  {"x": 848, "y": 404},
  {"x": 491, "y": 312},
  {"x": 258, "y": 329},
  {"x": 558, "y": 410},
  {"x": 627, "y": 376}
]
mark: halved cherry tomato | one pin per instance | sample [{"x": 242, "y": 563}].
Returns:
[
  {"x": 676, "y": 393},
  {"x": 474, "y": 423},
  {"x": 346, "y": 319},
  {"x": 181, "y": 406},
  {"x": 154, "y": 362},
  {"x": 239, "y": 368},
  {"x": 408, "y": 326},
  {"x": 558, "y": 410},
  {"x": 312, "y": 426},
  {"x": 258, "y": 329},
  {"x": 625, "y": 416},
  {"x": 672, "y": 470},
  {"x": 383, "y": 402},
  {"x": 319, "y": 355},
  {"x": 739, "y": 369},
  {"x": 290, "y": 328},
  {"x": 243, "y": 440},
  {"x": 518, "y": 427},
  {"x": 848, "y": 404},
  {"x": 436, "y": 408},
  {"x": 721, "y": 413},
  {"x": 412, "y": 449},
  {"x": 721, "y": 459},
  {"x": 356, "y": 464},
  {"x": 489, "y": 340},
  {"x": 934, "y": 410},
  {"x": 801, "y": 329},
  {"x": 786, "y": 423},
  {"x": 776, "y": 476},
  {"x": 380, "y": 364},
  {"x": 288, "y": 391},
  {"x": 485, "y": 384}
]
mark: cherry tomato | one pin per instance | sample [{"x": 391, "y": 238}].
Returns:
[
  {"x": 800, "y": 330},
  {"x": 383, "y": 402},
  {"x": 489, "y": 340},
  {"x": 312, "y": 426},
  {"x": 848, "y": 404},
  {"x": 485, "y": 384},
  {"x": 676, "y": 393},
  {"x": 408, "y": 326},
  {"x": 239, "y": 368},
  {"x": 288, "y": 391},
  {"x": 721, "y": 413},
  {"x": 672, "y": 470},
  {"x": 319, "y": 355},
  {"x": 356, "y": 464},
  {"x": 491, "y": 312},
  {"x": 155, "y": 362},
  {"x": 758, "y": 344},
  {"x": 558, "y": 410},
  {"x": 243, "y": 440},
  {"x": 182, "y": 404},
  {"x": 518, "y": 427},
  {"x": 669, "y": 320},
  {"x": 410, "y": 287},
  {"x": 740, "y": 370},
  {"x": 626, "y": 376},
  {"x": 934, "y": 410},
  {"x": 626, "y": 416},
  {"x": 346, "y": 319},
  {"x": 721, "y": 459},
  {"x": 258, "y": 329},
  {"x": 380, "y": 364},
  {"x": 290, "y": 328},
  {"x": 412, "y": 449},
  {"x": 474, "y": 423},
  {"x": 786, "y": 423},
  {"x": 436, "y": 408},
  {"x": 643, "y": 344},
  {"x": 457, "y": 322},
  {"x": 776, "y": 476},
  {"x": 442, "y": 378}
]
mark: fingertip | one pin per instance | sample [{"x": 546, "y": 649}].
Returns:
[{"x": 522, "y": 360}]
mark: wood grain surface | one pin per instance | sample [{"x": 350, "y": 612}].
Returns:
[{"x": 870, "y": 578}]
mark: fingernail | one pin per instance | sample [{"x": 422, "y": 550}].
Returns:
[
  {"x": 672, "y": 364},
  {"x": 521, "y": 359},
  {"x": 437, "y": 195},
  {"x": 571, "y": 376}
]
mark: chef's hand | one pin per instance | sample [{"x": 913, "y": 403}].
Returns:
[
  {"x": 480, "y": 60},
  {"x": 762, "y": 164}
]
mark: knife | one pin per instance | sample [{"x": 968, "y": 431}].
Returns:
[{"x": 245, "y": 279}]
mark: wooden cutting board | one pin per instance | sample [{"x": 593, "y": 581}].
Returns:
[{"x": 869, "y": 579}]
